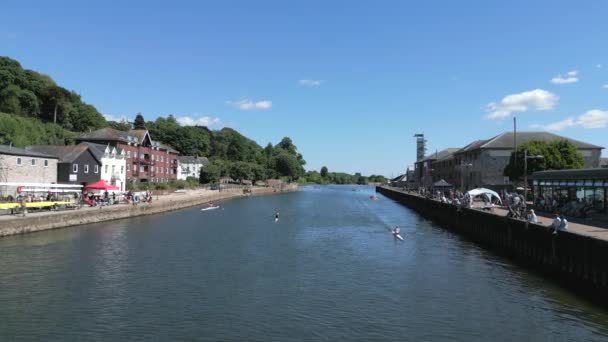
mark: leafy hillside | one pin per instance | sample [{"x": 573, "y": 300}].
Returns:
[
  {"x": 30, "y": 94},
  {"x": 21, "y": 131}
]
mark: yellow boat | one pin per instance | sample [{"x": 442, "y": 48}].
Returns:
[{"x": 45, "y": 204}]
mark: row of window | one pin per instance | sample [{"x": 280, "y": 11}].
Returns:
[
  {"x": 141, "y": 156},
  {"x": 96, "y": 168},
  {"x": 33, "y": 162}
]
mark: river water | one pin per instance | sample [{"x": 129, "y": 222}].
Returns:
[{"x": 329, "y": 270}]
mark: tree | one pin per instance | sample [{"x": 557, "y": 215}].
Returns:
[
  {"x": 324, "y": 171},
  {"x": 557, "y": 155},
  {"x": 139, "y": 122},
  {"x": 122, "y": 125},
  {"x": 212, "y": 172}
]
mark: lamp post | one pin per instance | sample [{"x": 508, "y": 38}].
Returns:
[
  {"x": 526, "y": 157},
  {"x": 462, "y": 166}
]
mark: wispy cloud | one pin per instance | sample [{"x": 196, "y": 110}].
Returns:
[
  {"x": 605, "y": 86},
  {"x": 570, "y": 77},
  {"x": 310, "y": 83},
  {"x": 537, "y": 99},
  {"x": 599, "y": 66},
  {"x": 197, "y": 121},
  {"x": 249, "y": 104},
  {"x": 594, "y": 118}
]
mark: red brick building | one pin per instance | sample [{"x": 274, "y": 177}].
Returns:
[{"x": 147, "y": 160}]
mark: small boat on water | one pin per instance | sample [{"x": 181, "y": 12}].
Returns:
[
  {"x": 373, "y": 198},
  {"x": 210, "y": 208}
]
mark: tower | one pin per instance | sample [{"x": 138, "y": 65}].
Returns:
[{"x": 420, "y": 146}]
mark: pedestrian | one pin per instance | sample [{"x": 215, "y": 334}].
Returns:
[
  {"x": 564, "y": 223},
  {"x": 532, "y": 217},
  {"x": 557, "y": 222}
]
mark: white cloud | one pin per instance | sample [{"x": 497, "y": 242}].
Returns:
[
  {"x": 110, "y": 117},
  {"x": 605, "y": 86},
  {"x": 536, "y": 99},
  {"x": 599, "y": 66},
  {"x": 594, "y": 118},
  {"x": 571, "y": 77},
  {"x": 249, "y": 105},
  {"x": 200, "y": 121},
  {"x": 311, "y": 83}
]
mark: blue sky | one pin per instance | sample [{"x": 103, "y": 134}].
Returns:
[{"x": 349, "y": 82}]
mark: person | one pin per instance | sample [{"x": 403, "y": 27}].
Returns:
[
  {"x": 557, "y": 222},
  {"x": 276, "y": 216},
  {"x": 564, "y": 223},
  {"x": 532, "y": 217},
  {"x": 396, "y": 231}
]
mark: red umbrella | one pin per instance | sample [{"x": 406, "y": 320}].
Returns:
[{"x": 101, "y": 185}]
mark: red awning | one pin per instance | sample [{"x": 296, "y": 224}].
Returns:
[{"x": 101, "y": 185}]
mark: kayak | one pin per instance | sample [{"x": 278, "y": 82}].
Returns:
[
  {"x": 210, "y": 208},
  {"x": 276, "y": 219},
  {"x": 398, "y": 236}
]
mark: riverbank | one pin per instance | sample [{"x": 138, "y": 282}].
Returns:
[
  {"x": 34, "y": 222},
  {"x": 572, "y": 258}
]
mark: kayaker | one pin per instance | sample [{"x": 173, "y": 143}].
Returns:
[
  {"x": 396, "y": 231},
  {"x": 276, "y": 216}
]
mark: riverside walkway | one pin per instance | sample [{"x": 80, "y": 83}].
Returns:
[{"x": 597, "y": 230}]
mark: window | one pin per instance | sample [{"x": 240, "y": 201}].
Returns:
[
  {"x": 75, "y": 168},
  {"x": 18, "y": 160},
  {"x": 33, "y": 162},
  {"x": 96, "y": 169},
  {"x": 135, "y": 155},
  {"x": 128, "y": 167},
  {"x": 128, "y": 154},
  {"x": 86, "y": 168},
  {"x": 161, "y": 158},
  {"x": 166, "y": 170},
  {"x": 113, "y": 169},
  {"x": 46, "y": 163},
  {"x": 141, "y": 169},
  {"x": 106, "y": 169}
]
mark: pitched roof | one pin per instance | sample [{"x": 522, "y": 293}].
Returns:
[
  {"x": 66, "y": 154},
  {"x": 168, "y": 148},
  {"x": 108, "y": 134},
  {"x": 472, "y": 146},
  {"x": 15, "y": 151},
  {"x": 193, "y": 160},
  {"x": 505, "y": 140},
  {"x": 98, "y": 150},
  {"x": 443, "y": 154}
]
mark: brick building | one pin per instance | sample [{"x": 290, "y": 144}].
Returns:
[{"x": 146, "y": 160}]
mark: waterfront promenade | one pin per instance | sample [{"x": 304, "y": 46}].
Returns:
[
  {"x": 592, "y": 229},
  {"x": 32, "y": 222}
]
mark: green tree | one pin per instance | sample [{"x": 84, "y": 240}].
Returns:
[
  {"x": 324, "y": 171},
  {"x": 212, "y": 172},
  {"x": 556, "y": 155},
  {"x": 139, "y": 122}
]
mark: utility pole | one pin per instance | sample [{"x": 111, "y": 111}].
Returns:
[{"x": 515, "y": 141}]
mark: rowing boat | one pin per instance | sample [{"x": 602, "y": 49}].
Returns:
[{"x": 210, "y": 208}]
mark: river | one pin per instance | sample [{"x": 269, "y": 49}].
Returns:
[{"x": 329, "y": 270}]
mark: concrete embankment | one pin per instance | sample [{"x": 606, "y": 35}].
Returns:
[
  {"x": 35, "y": 222},
  {"x": 576, "y": 261}
]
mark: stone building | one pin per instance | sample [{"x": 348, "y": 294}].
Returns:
[
  {"x": 482, "y": 162},
  {"x": 18, "y": 165},
  {"x": 77, "y": 164},
  {"x": 434, "y": 167}
]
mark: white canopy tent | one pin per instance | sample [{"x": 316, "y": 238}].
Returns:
[{"x": 483, "y": 191}]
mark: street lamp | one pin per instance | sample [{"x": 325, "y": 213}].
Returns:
[
  {"x": 526, "y": 157},
  {"x": 462, "y": 166}
]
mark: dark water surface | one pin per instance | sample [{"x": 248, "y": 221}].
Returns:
[{"x": 329, "y": 270}]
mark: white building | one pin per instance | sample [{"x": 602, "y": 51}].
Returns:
[
  {"x": 113, "y": 163},
  {"x": 190, "y": 166}
]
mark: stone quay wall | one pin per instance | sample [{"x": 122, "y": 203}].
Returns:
[
  {"x": 572, "y": 260},
  {"x": 35, "y": 222}
]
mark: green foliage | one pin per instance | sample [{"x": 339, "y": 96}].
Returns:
[
  {"x": 376, "y": 179},
  {"x": 139, "y": 122},
  {"x": 123, "y": 125},
  {"x": 324, "y": 171},
  {"x": 30, "y": 94},
  {"x": 557, "y": 155},
  {"x": 21, "y": 131}
]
